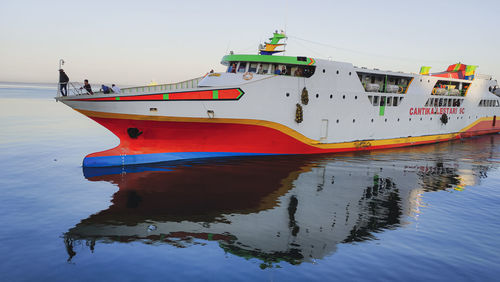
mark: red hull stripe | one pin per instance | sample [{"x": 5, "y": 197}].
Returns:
[
  {"x": 217, "y": 94},
  {"x": 219, "y": 137}
]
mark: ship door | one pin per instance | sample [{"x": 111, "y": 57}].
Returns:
[
  {"x": 494, "y": 120},
  {"x": 324, "y": 131}
]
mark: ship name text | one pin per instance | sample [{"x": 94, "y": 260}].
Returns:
[{"x": 437, "y": 111}]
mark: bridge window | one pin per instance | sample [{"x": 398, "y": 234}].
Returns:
[
  {"x": 263, "y": 68},
  {"x": 268, "y": 68},
  {"x": 252, "y": 67},
  {"x": 242, "y": 67}
]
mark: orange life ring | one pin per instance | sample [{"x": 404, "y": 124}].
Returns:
[{"x": 247, "y": 76}]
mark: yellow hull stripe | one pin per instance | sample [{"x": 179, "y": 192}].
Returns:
[{"x": 290, "y": 132}]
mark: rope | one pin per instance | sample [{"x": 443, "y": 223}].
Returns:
[{"x": 363, "y": 52}]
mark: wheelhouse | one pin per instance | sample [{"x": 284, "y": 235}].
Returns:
[{"x": 270, "y": 65}]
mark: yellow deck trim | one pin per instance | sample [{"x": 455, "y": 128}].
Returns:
[{"x": 290, "y": 132}]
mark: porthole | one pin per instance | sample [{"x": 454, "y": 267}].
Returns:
[
  {"x": 372, "y": 120},
  {"x": 331, "y": 96},
  {"x": 354, "y": 120},
  {"x": 420, "y": 80},
  {"x": 457, "y": 117},
  {"x": 337, "y": 121},
  {"x": 429, "y": 80},
  {"x": 317, "y": 95},
  {"x": 324, "y": 71},
  {"x": 349, "y": 73},
  {"x": 398, "y": 119},
  {"x": 343, "y": 96},
  {"x": 288, "y": 94},
  {"x": 420, "y": 118},
  {"x": 431, "y": 118},
  {"x": 385, "y": 120},
  {"x": 409, "y": 119},
  {"x": 355, "y": 97},
  {"x": 337, "y": 72}
]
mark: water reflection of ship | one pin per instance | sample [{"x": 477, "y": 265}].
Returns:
[{"x": 293, "y": 209}]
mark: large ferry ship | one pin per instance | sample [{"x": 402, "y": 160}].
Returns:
[{"x": 268, "y": 104}]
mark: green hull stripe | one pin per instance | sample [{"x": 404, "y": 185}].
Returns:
[
  {"x": 382, "y": 110},
  {"x": 165, "y": 96},
  {"x": 215, "y": 94},
  {"x": 117, "y": 98}
]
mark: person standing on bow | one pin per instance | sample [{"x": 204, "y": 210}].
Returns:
[{"x": 63, "y": 82}]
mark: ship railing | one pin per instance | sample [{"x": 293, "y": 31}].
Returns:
[
  {"x": 483, "y": 76},
  {"x": 72, "y": 88},
  {"x": 191, "y": 83},
  {"x": 75, "y": 88}
]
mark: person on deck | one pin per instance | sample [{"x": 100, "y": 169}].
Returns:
[
  {"x": 233, "y": 68},
  {"x": 87, "y": 87},
  {"x": 277, "y": 70},
  {"x": 115, "y": 89},
  {"x": 105, "y": 89},
  {"x": 297, "y": 72},
  {"x": 63, "y": 82}
]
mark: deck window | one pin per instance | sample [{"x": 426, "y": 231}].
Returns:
[
  {"x": 450, "y": 88},
  {"x": 382, "y": 101},
  {"x": 242, "y": 67},
  {"x": 252, "y": 67},
  {"x": 263, "y": 68},
  {"x": 384, "y": 83}
]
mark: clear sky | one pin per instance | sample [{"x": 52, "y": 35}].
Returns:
[{"x": 134, "y": 42}]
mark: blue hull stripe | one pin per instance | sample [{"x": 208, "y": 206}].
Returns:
[{"x": 156, "y": 158}]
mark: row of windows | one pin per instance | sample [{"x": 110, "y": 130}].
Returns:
[
  {"x": 489, "y": 103},
  {"x": 450, "y": 88},
  {"x": 385, "y": 101},
  {"x": 444, "y": 102},
  {"x": 267, "y": 68},
  {"x": 373, "y": 82}
]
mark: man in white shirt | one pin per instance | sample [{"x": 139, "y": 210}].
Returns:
[{"x": 115, "y": 89}]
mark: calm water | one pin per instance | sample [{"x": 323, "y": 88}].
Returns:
[{"x": 415, "y": 214}]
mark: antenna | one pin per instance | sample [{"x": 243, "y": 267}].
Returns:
[{"x": 286, "y": 15}]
